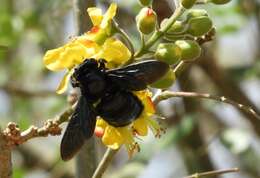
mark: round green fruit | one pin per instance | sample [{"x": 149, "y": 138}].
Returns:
[
  {"x": 166, "y": 81},
  {"x": 199, "y": 26},
  {"x": 190, "y": 49},
  {"x": 168, "y": 52}
]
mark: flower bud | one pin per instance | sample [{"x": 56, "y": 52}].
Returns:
[
  {"x": 166, "y": 81},
  {"x": 168, "y": 52},
  {"x": 190, "y": 49},
  {"x": 187, "y": 4},
  {"x": 146, "y": 20},
  {"x": 220, "y": 1},
  {"x": 196, "y": 13},
  {"x": 199, "y": 26},
  {"x": 145, "y": 2}
]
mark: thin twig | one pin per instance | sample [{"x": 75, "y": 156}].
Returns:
[
  {"x": 14, "y": 136},
  {"x": 22, "y": 92},
  {"x": 104, "y": 163},
  {"x": 125, "y": 37},
  {"x": 169, "y": 94},
  {"x": 213, "y": 173}
]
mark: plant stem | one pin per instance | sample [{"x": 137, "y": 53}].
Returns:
[
  {"x": 126, "y": 38},
  {"x": 169, "y": 94},
  {"x": 158, "y": 34},
  {"x": 104, "y": 163},
  {"x": 213, "y": 173}
]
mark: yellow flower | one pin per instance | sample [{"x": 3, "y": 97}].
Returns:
[
  {"x": 96, "y": 43},
  {"x": 114, "y": 137},
  {"x": 81, "y": 48},
  {"x": 102, "y": 27}
]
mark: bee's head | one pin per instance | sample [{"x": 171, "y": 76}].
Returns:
[{"x": 88, "y": 66}]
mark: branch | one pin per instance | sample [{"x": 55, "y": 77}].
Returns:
[
  {"x": 168, "y": 94},
  {"x": 104, "y": 163},
  {"x": 25, "y": 92},
  {"x": 213, "y": 173},
  {"x": 5, "y": 158},
  {"x": 13, "y": 135}
]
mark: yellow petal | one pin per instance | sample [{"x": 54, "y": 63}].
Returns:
[
  {"x": 140, "y": 125},
  {"x": 112, "y": 138},
  {"x": 115, "y": 51},
  {"x": 64, "y": 82},
  {"x": 51, "y": 59},
  {"x": 95, "y": 15},
  {"x": 111, "y": 12},
  {"x": 101, "y": 123},
  {"x": 66, "y": 57}
]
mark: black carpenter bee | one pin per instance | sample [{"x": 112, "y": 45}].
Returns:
[{"x": 108, "y": 94}]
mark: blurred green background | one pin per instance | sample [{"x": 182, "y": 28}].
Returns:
[{"x": 201, "y": 135}]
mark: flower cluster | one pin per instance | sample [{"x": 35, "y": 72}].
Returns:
[{"x": 99, "y": 43}]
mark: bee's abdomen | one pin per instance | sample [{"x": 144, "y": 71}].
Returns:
[{"x": 120, "y": 109}]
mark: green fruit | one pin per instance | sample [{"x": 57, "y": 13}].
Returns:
[
  {"x": 220, "y": 1},
  {"x": 145, "y": 2},
  {"x": 199, "y": 26},
  {"x": 168, "y": 52},
  {"x": 188, "y": 3},
  {"x": 190, "y": 49},
  {"x": 166, "y": 81},
  {"x": 146, "y": 20},
  {"x": 196, "y": 13}
]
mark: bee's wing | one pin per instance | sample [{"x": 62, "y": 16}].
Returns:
[
  {"x": 137, "y": 76},
  {"x": 81, "y": 127}
]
